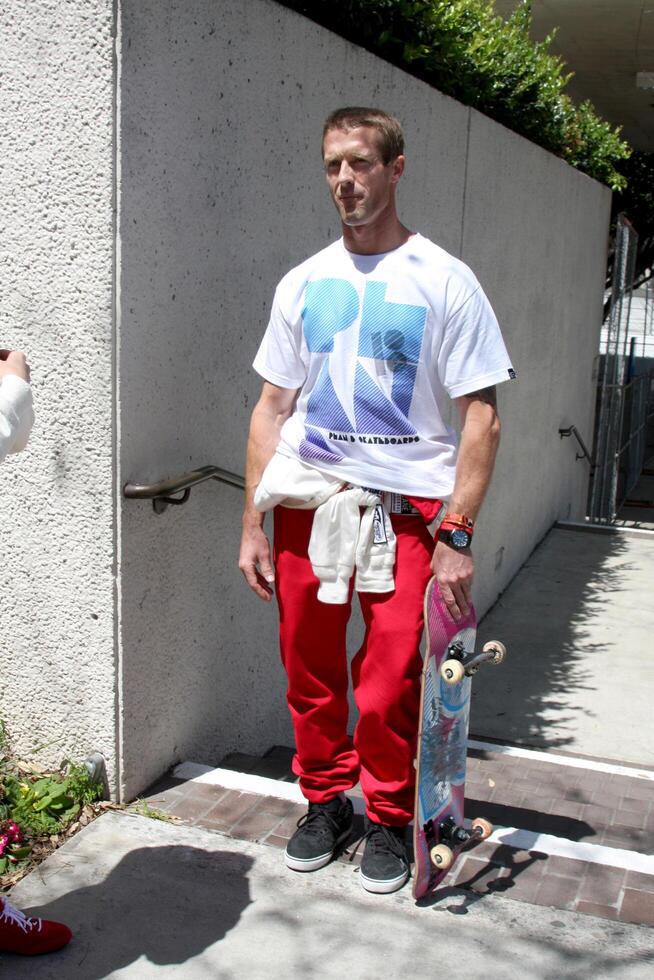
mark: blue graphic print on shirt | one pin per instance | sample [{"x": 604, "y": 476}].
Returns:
[
  {"x": 324, "y": 408},
  {"x": 313, "y": 446},
  {"x": 330, "y": 305},
  {"x": 388, "y": 332}
]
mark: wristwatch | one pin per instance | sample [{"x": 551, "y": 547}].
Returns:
[{"x": 456, "y": 537}]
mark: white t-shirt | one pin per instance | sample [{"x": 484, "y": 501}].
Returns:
[{"x": 374, "y": 342}]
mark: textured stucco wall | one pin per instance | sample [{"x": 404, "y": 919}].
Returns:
[
  {"x": 221, "y": 192},
  {"x": 56, "y": 508}
]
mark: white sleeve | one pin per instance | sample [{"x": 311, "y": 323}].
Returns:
[
  {"x": 16, "y": 414},
  {"x": 279, "y": 357},
  {"x": 472, "y": 354}
]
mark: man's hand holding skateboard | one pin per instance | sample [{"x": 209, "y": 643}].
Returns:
[
  {"x": 480, "y": 436},
  {"x": 454, "y": 571}
]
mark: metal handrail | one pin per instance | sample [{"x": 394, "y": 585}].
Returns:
[
  {"x": 572, "y": 430},
  {"x": 160, "y": 493}
]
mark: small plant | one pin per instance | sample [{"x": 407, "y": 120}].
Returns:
[
  {"x": 38, "y": 808},
  {"x": 143, "y": 809},
  {"x": 45, "y": 805},
  {"x": 81, "y": 787},
  {"x": 13, "y": 848}
]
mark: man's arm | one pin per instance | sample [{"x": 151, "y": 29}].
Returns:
[
  {"x": 480, "y": 437},
  {"x": 271, "y": 411}
]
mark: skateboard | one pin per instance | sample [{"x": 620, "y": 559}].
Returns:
[{"x": 449, "y": 662}]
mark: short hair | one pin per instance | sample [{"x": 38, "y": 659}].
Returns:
[{"x": 391, "y": 142}]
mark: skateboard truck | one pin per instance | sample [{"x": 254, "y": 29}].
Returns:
[
  {"x": 442, "y": 854},
  {"x": 460, "y": 663}
]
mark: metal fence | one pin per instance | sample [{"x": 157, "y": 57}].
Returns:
[
  {"x": 638, "y": 414},
  {"x": 617, "y": 393}
]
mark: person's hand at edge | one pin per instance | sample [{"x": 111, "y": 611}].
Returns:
[{"x": 14, "y": 362}]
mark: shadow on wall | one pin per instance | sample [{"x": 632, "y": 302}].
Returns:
[
  {"x": 547, "y": 690},
  {"x": 167, "y": 904}
]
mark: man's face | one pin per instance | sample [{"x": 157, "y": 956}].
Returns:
[{"x": 361, "y": 185}]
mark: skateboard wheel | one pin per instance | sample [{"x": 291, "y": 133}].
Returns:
[
  {"x": 442, "y": 856},
  {"x": 481, "y": 828},
  {"x": 452, "y": 671},
  {"x": 494, "y": 646}
]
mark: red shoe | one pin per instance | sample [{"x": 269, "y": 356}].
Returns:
[{"x": 20, "y": 934}]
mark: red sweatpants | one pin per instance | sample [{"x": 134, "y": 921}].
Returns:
[{"x": 385, "y": 672}]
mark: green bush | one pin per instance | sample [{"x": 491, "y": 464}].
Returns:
[{"x": 466, "y": 50}]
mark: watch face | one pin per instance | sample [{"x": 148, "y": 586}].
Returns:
[{"x": 459, "y": 538}]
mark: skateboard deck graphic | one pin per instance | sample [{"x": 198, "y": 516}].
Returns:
[{"x": 439, "y": 833}]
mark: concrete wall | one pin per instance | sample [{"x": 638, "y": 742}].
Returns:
[
  {"x": 57, "y": 611},
  {"x": 221, "y": 192},
  {"x": 536, "y": 232}
]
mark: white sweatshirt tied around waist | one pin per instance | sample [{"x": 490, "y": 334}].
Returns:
[{"x": 342, "y": 539}]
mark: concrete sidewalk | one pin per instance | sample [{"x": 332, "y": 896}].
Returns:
[
  {"x": 151, "y": 899},
  {"x": 148, "y": 898},
  {"x": 577, "y": 620}
]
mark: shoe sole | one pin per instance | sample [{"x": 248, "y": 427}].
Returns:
[
  {"x": 314, "y": 863},
  {"x": 307, "y": 864},
  {"x": 383, "y": 887}
]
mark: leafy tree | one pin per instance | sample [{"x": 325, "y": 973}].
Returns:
[{"x": 636, "y": 200}]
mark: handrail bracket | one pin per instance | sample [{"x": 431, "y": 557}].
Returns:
[
  {"x": 572, "y": 430},
  {"x": 159, "y": 504}
]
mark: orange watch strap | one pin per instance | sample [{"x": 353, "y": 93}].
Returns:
[{"x": 460, "y": 520}]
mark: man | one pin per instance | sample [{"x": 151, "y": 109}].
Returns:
[
  {"x": 18, "y": 932},
  {"x": 364, "y": 341}
]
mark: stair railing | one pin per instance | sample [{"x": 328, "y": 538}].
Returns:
[{"x": 162, "y": 493}]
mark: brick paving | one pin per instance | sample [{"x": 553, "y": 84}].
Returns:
[{"x": 576, "y": 804}]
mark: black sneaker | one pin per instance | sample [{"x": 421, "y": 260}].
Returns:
[
  {"x": 385, "y": 863},
  {"x": 321, "y": 833}
]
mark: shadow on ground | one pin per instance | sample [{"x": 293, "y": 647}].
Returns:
[
  {"x": 497, "y": 877},
  {"x": 167, "y": 904},
  {"x": 525, "y": 818}
]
